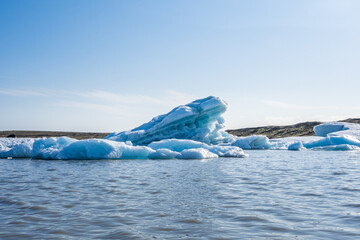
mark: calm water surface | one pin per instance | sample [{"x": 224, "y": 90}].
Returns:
[{"x": 269, "y": 195}]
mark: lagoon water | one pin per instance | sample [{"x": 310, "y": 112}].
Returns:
[{"x": 269, "y": 195}]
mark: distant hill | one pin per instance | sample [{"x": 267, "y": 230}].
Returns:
[
  {"x": 299, "y": 129},
  {"x": 39, "y": 134}
]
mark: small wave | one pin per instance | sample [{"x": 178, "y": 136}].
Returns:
[
  {"x": 357, "y": 205},
  {"x": 350, "y": 189},
  {"x": 191, "y": 221},
  {"x": 339, "y": 173},
  {"x": 311, "y": 195},
  {"x": 250, "y": 219}
]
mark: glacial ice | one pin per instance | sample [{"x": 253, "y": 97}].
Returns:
[
  {"x": 164, "y": 153},
  {"x": 252, "y": 142},
  {"x": 296, "y": 146},
  {"x": 341, "y": 147},
  {"x": 199, "y": 120},
  {"x": 179, "y": 145},
  {"x": 197, "y": 153},
  {"x": 15, "y": 147},
  {"x": 330, "y": 136},
  {"x": 68, "y": 148},
  {"x": 192, "y": 131},
  {"x": 323, "y": 130}
]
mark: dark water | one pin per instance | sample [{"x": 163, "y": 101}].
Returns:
[{"x": 270, "y": 195}]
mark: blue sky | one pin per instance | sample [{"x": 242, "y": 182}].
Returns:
[{"x": 112, "y": 65}]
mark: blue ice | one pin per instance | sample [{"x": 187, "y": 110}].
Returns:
[{"x": 191, "y": 131}]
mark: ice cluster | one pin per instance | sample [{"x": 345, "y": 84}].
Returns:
[
  {"x": 68, "y": 148},
  {"x": 192, "y": 131},
  {"x": 332, "y": 136}
]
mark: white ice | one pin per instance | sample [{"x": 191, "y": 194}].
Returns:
[
  {"x": 252, "y": 142},
  {"x": 192, "y": 131},
  {"x": 68, "y": 148},
  {"x": 330, "y": 136},
  {"x": 16, "y": 147},
  {"x": 199, "y": 120},
  {"x": 179, "y": 145}
]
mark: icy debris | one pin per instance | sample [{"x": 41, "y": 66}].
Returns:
[
  {"x": 252, "y": 142},
  {"x": 341, "y": 147},
  {"x": 16, "y": 147},
  {"x": 197, "y": 153},
  {"x": 164, "y": 153},
  {"x": 330, "y": 136},
  {"x": 297, "y": 146},
  {"x": 178, "y": 145}
]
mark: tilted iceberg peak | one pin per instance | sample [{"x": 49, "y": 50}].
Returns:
[{"x": 199, "y": 120}]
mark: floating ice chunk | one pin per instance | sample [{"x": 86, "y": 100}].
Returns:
[
  {"x": 337, "y": 128},
  {"x": 324, "y": 129},
  {"x": 50, "y": 148},
  {"x": 297, "y": 146},
  {"x": 197, "y": 153},
  {"x": 290, "y": 142},
  {"x": 178, "y": 145},
  {"x": 317, "y": 142},
  {"x": 343, "y": 139},
  {"x": 339, "y": 134},
  {"x": 104, "y": 149},
  {"x": 164, "y": 153},
  {"x": 16, "y": 147},
  {"x": 230, "y": 152},
  {"x": 252, "y": 142},
  {"x": 341, "y": 147},
  {"x": 68, "y": 148},
  {"x": 199, "y": 120}
]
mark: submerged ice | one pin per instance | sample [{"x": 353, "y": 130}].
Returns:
[{"x": 191, "y": 131}]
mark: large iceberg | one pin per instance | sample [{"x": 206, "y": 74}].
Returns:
[
  {"x": 199, "y": 120},
  {"x": 191, "y": 131}
]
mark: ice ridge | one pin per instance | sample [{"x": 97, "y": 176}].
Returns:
[{"x": 199, "y": 120}]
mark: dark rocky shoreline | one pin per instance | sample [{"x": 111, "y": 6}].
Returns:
[
  {"x": 299, "y": 129},
  {"x": 39, "y": 134}
]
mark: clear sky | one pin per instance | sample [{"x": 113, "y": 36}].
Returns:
[{"x": 105, "y": 65}]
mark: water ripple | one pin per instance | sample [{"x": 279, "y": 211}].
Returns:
[{"x": 270, "y": 195}]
